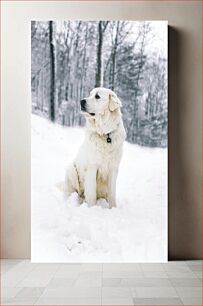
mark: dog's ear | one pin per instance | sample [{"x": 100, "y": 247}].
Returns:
[{"x": 114, "y": 102}]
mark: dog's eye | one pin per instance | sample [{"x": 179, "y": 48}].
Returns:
[{"x": 97, "y": 96}]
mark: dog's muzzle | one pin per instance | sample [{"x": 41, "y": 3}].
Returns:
[{"x": 83, "y": 107}]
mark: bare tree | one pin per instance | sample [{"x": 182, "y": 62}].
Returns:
[
  {"x": 102, "y": 25},
  {"x": 119, "y": 31},
  {"x": 114, "y": 53},
  {"x": 141, "y": 62},
  {"x": 52, "y": 72}
]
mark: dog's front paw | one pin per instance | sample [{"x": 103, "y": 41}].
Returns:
[
  {"x": 112, "y": 204},
  {"x": 91, "y": 202}
]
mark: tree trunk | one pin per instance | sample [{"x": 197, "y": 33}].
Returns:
[
  {"x": 135, "y": 121},
  {"x": 99, "y": 72},
  {"x": 52, "y": 73},
  {"x": 114, "y": 54},
  {"x": 84, "y": 67}
]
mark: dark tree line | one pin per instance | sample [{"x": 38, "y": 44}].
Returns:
[{"x": 71, "y": 58}]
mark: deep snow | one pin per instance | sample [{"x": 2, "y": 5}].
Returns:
[{"x": 64, "y": 231}]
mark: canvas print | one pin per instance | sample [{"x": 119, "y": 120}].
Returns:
[{"x": 99, "y": 141}]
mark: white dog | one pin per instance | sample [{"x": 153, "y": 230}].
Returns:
[{"x": 94, "y": 171}]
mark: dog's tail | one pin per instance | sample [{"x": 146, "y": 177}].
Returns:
[{"x": 71, "y": 183}]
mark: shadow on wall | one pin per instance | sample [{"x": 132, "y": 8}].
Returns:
[{"x": 184, "y": 230}]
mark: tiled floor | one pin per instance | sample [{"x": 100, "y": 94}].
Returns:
[{"x": 173, "y": 283}]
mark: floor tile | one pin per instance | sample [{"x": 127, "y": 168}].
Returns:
[
  {"x": 189, "y": 291},
  {"x": 125, "y": 267},
  {"x": 117, "y": 301},
  {"x": 22, "y": 301},
  {"x": 9, "y": 292},
  {"x": 182, "y": 274},
  {"x": 91, "y": 267},
  {"x": 15, "y": 275},
  {"x": 198, "y": 274},
  {"x": 122, "y": 274},
  {"x": 57, "y": 282},
  {"x": 4, "y": 301},
  {"x": 152, "y": 267},
  {"x": 26, "y": 263},
  {"x": 40, "y": 274},
  {"x": 175, "y": 262},
  {"x": 74, "y": 292},
  {"x": 153, "y": 292},
  {"x": 193, "y": 262},
  {"x": 35, "y": 282},
  {"x": 157, "y": 301},
  {"x": 69, "y": 301},
  {"x": 192, "y": 301},
  {"x": 155, "y": 274},
  {"x": 88, "y": 282},
  {"x": 176, "y": 268},
  {"x": 111, "y": 282},
  {"x": 66, "y": 274},
  {"x": 90, "y": 274},
  {"x": 46, "y": 267},
  {"x": 146, "y": 282},
  {"x": 30, "y": 292},
  {"x": 89, "y": 279},
  {"x": 37, "y": 279},
  {"x": 197, "y": 268},
  {"x": 12, "y": 262},
  {"x": 69, "y": 267},
  {"x": 5, "y": 268},
  {"x": 185, "y": 282},
  {"x": 115, "y": 292}
]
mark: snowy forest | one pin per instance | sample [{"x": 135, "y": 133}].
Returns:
[{"x": 70, "y": 58}]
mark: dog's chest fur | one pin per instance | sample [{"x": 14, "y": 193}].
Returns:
[{"x": 101, "y": 143}]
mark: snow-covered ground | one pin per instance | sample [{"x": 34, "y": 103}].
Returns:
[{"x": 64, "y": 231}]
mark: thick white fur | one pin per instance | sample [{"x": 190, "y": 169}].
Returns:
[{"x": 94, "y": 171}]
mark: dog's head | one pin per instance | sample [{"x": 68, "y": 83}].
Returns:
[{"x": 100, "y": 101}]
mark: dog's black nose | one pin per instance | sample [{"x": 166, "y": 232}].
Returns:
[{"x": 83, "y": 103}]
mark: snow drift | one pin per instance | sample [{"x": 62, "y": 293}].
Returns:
[{"x": 64, "y": 231}]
